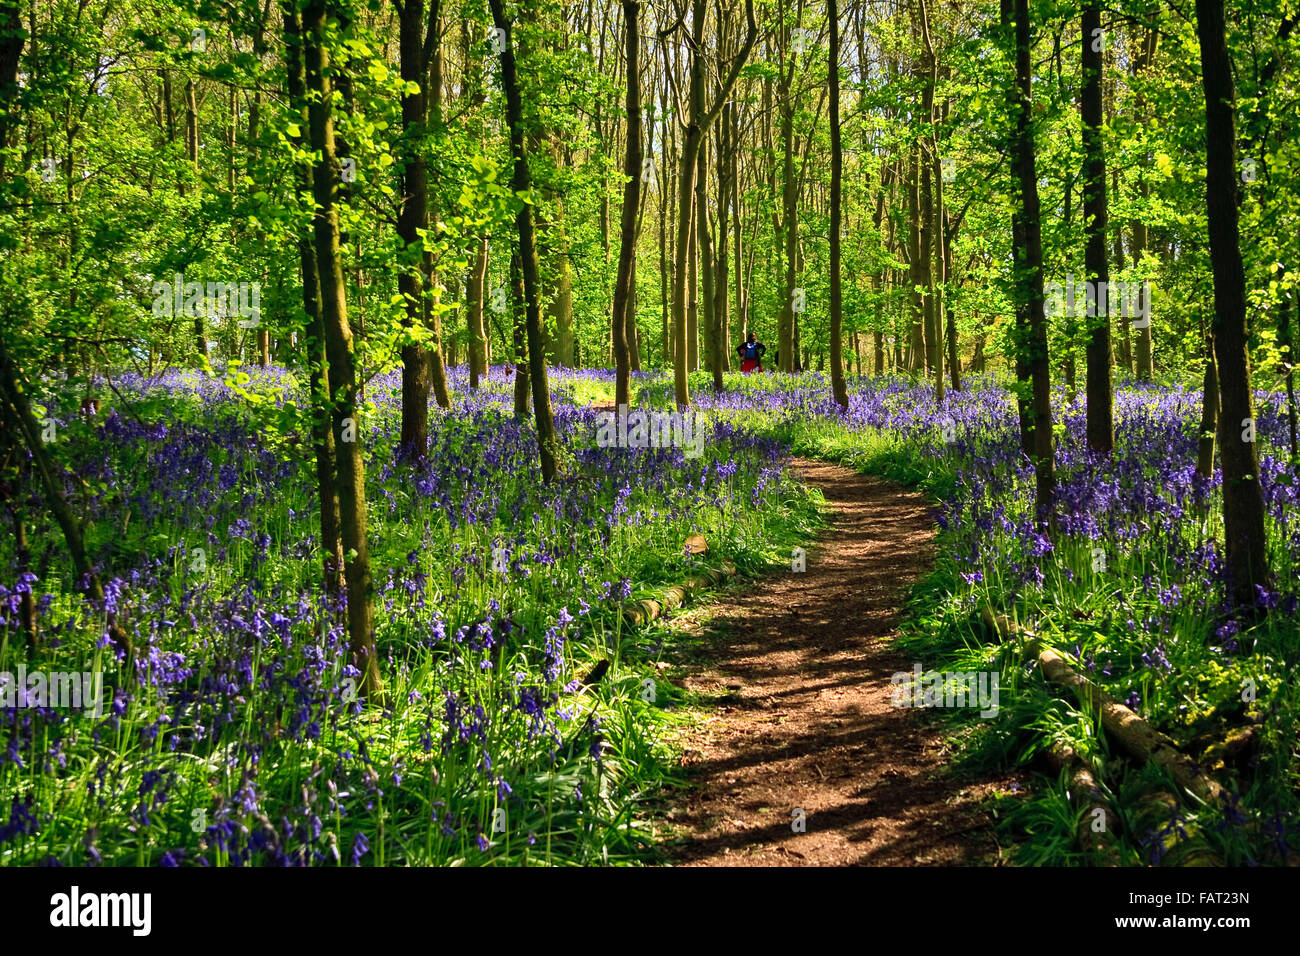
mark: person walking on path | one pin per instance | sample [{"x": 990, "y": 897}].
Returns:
[{"x": 751, "y": 354}]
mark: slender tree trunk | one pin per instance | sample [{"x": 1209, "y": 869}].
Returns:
[
  {"x": 708, "y": 307},
  {"x": 476, "y": 289},
  {"x": 16, "y": 414},
  {"x": 1209, "y": 413},
  {"x": 1141, "y": 63},
  {"x": 622, "y": 321},
  {"x": 339, "y": 349},
  {"x": 632, "y": 331},
  {"x": 519, "y": 321},
  {"x": 916, "y": 345},
  {"x": 734, "y": 152},
  {"x": 663, "y": 189},
  {"x": 192, "y": 153},
  {"x": 1030, "y": 263},
  {"x": 693, "y": 274},
  {"x": 322, "y": 434},
  {"x": 696, "y": 128},
  {"x": 838, "y": 388},
  {"x": 1126, "y": 339},
  {"x": 22, "y": 567},
  {"x": 1243, "y": 502},
  {"x": 929, "y": 243},
  {"x": 1289, "y": 353},
  {"x": 412, "y": 221},
  {"x": 560, "y": 306},
  {"x": 931, "y": 223},
  {"x": 681, "y": 277},
  {"x": 725, "y": 166},
  {"x": 789, "y": 345},
  {"x": 254, "y": 131},
  {"x": 954, "y": 357},
  {"x": 1101, "y": 432},
  {"x": 432, "y": 288},
  {"x": 521, "y": 182}
]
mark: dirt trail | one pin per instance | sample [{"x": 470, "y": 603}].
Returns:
[{"x": 797, "y": 671}]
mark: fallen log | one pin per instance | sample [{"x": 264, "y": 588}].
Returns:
[
  {"x": 1083, "y": 791},
  {"x": 638, "y": 613},
  {"x": 1134, "y": 735}
]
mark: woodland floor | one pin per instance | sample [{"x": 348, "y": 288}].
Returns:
[{"x": 793, "y": 678}]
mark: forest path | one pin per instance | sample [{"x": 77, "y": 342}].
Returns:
[{"x": 795, "y": 678}]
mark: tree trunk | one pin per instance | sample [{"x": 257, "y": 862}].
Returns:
[
  {"x": 523, "y": 387},
  {"x": 789, "y": 345},
  {"x": 476, "y": 289},
  {"x": 931, "y": 223},
  {"x": 521, "y": 183},
  {"x": 1243, "y": 502},
  {"x": 708, "y": 307},
  {"x": 622, "y": 320},
  {"x": 1101, "y": 432},
  {"x": 322, "y": 434},
  {"x": 663, "y": 189},
  {"x": 263, "y": 337},
  {"x": 740, "y": 226},
  {"x": 839, "y": 390},
  {"x": 693, "y": 273},
  {"x": 954, "y": 358},
  {"x": 412, "y": 220},
  {"x": 192, "y": 154},
  {"x": 725, "y": 166},
  {"x": 432, "y": 288},
  {"x": 1030, "y": 262},
  {"x": 1288, "y": 357},
  {"x": 560, "y": 306},
  {"x": 19, "y": 417},
  {"x": 1126, "y": 340},
  {"x": 695, "y": 130},
  {"x": 339, "y": 349},
  {"x": 632, "y": 331},
  {"x": 916, "y": 344},
  {"x": 1141, "y": 63},
  {"x": 1209, "y": 413}
]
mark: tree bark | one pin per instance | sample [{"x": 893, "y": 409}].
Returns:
[
  {"x": 1030, "y": 265},
  {"x": 1243, "y": 502},
  {"x": 20, "y": 416},
  {"x": 1209, "y": 414},
  {"x": 789, "y": 345},
  {"x": 412, "y": 222},
  {"x": 696, "y": 128},
  {"x": 521, "y": 183},
  {"x": 518, "y": 318},
  {"x": 706, "y": 267},
  {"x": 725, "y": 166},
  {"x": 1141, "y": 63},
  {"x": 322, "y": 434},
  {"x": 632, "y": 159},
  {"x": 916, "y": 297},
  {"x": 476, "y": 290},
  {"x": 1100, "y": 429},
  {"x": 839, "y": 390},
  {"x": 339, "y": 349},
  {"x": 1126, "y": 339}
]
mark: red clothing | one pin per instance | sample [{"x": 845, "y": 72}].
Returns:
[{"x": 749, "y": 365}]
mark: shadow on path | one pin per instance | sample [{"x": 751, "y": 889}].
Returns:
[{"x": 798, "y": 671}]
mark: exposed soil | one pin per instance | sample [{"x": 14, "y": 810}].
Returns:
[{"x": 795, "y": 677}]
